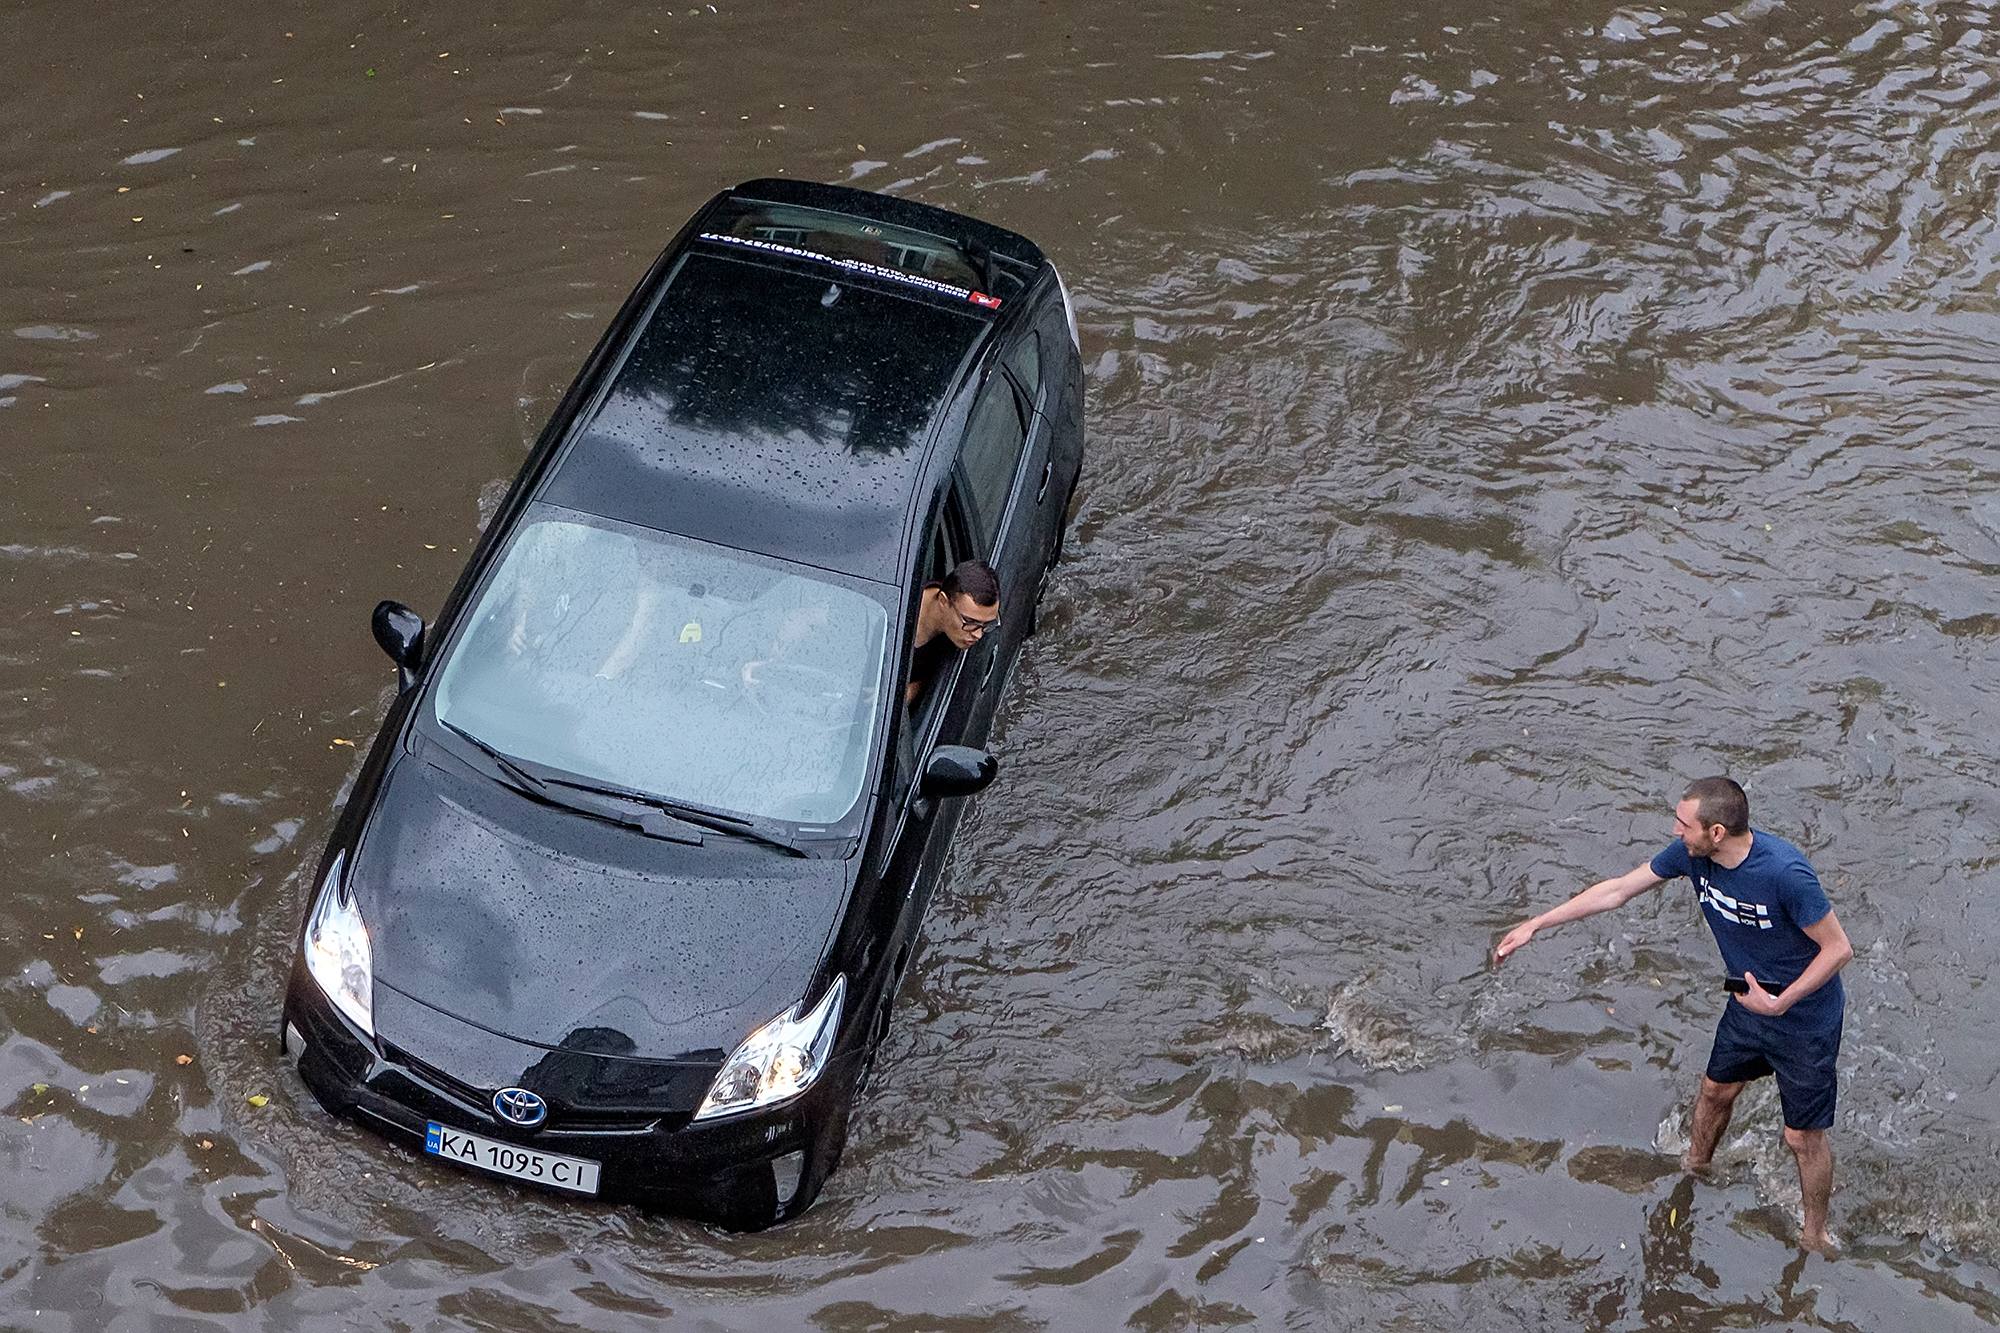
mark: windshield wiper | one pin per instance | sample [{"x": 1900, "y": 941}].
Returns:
[
  {"x": 657, "y": 816},
  {"x": 652, "y": 821},
  {"x": 739, "y": 825},
  {"x": 520, "y": 778}
]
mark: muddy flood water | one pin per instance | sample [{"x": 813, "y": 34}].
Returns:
[{"x": 1498, "y": 415}]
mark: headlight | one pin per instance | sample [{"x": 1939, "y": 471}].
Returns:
[
  {"x": 337, "y": 949},
  {"x": 778, "y": 1060}
]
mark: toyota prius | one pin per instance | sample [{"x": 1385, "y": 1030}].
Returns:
[{"x": 622, "y": 898}]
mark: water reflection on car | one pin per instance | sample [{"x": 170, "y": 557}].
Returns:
[
  {"x": 659, "y": 664},
  {"x": 625, "y": 889}
]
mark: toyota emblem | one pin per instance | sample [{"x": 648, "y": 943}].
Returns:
[{"x": 518, "y": 1106}]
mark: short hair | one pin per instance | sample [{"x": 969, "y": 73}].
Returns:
[
  {"x": 1721, "y": 802},
  {"x": 973, "y": 578}
]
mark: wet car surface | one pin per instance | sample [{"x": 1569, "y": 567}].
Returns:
[{"x": 625, "y": 891}]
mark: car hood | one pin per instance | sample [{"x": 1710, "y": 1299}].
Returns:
[{"x": 559, "y": 930}]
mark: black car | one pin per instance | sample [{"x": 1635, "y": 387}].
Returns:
[{"x": 622, "y": 897}]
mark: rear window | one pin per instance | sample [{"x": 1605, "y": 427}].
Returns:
[{"x": 919, "y": 256}]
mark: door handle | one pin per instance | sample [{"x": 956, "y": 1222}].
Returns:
[{"x": 1048, "y": 470}]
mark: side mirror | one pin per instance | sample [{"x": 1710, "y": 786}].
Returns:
[
  {"x": 958, "y": 770},
  {"x": 400, "y": 631}
]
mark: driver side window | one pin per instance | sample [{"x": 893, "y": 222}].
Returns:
[{"x": 948, "y": 545}]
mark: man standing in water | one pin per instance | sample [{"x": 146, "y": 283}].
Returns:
[{"x": 1783, "y": 949}]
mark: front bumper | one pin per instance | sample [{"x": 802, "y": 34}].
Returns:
[{"x": 652, "y": 1155}]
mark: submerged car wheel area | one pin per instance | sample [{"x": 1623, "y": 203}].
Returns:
[{"x": 624, "y": 892}]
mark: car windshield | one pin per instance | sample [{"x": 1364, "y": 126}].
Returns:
[{"x": 672, "y": 667}]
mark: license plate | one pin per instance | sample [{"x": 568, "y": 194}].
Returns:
[{"x": 507, "y": 1159}]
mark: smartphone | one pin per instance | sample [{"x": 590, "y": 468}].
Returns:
[{"x": 1736, "y": 985}]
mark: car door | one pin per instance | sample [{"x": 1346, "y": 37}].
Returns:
[
  {"x": 1048, "y": 471},
  {"x": 1003, "y": 462},
  {"x": 913, "y": 854},
  {"x": 1031, "y": 522},
  {"x": 942, "y": 715}
]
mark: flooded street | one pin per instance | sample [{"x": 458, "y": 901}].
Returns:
[{"x": 1498, "y": 415}]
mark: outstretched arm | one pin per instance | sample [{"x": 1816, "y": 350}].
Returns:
[{"x": 1599, "y": 897}]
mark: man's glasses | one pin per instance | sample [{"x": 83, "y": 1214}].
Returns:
[{"x": 974, "y": 627}]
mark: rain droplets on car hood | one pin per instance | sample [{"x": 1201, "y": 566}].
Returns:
[{"x": 526, "y": 926}]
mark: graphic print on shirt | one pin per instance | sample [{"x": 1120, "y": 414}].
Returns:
[{"x": 1743, "y": 914}]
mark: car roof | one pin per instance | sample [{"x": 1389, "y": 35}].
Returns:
[{"x": 778, "y": 400}]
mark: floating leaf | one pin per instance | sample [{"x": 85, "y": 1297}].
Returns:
[
  {"x": 184, "y": 1059},
  {"x": 259, "y": 1100},
  {"x": 41, "y": 1088}
]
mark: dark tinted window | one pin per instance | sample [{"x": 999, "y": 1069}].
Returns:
[
  {"x": 838, "y": 236},
  {"x": 993, "y": 439},
  {"x": 1026, "y": 362},
  {"x": 841, "y": 237}
]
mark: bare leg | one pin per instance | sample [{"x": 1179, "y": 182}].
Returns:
[
  {"x": 1815, "y": 1158},
  {"x": 1711, "y": 1117}
]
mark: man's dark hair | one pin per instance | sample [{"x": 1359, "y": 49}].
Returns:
[
  {"x": 1722, "y": 802},
  {"x": 975, "y": 579}
]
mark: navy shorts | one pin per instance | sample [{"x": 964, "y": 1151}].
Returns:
[{"x": 1749, "y": 1046}]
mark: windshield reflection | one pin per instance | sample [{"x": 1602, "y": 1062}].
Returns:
[{"x": 671, "y": 667}]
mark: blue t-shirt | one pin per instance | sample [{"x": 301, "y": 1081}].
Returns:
[{"x": 1759, "y": 912}]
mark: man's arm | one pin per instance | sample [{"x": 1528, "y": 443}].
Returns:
[
  {"x": 1834, "y": 951},
  {"x": 1599, "y": 897}
]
